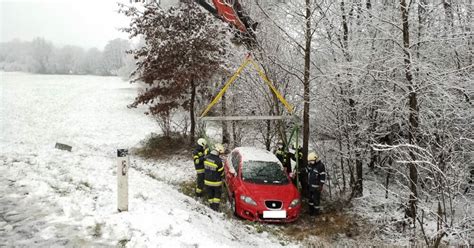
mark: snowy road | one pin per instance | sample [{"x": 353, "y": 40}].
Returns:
[{"x": 52, "y": 198}]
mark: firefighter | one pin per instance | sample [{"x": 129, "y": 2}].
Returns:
[
  {"x": 316, "y": 179},
  {"x": 214, "y": 172},
  {"x": 283, "y": 156},
  {"x": 296, "y": 149},
  {"x": 199, "y": 152},
  {"x": 302, "y": 177}
]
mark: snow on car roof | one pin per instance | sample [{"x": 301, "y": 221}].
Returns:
[{"x": 256, "y": 154}]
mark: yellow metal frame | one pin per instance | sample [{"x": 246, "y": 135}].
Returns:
[{"x": 262, "y": 75}]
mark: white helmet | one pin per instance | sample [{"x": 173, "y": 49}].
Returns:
[
  {"x": 219, "y": 148},
  {"x": 312, "y": 156},
  {"x": 202, "y": 142},
  {"x": 280, "y": 144}
]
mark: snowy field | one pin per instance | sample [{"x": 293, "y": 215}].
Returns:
[{"x": 55, "y": 198}]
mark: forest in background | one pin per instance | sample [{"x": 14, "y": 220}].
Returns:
[
  {"x": 383, "y": 88},
  {"x": 43, "y": 57}
]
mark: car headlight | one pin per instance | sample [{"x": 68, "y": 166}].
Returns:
[
  {"x": 248, "y": 200},
  {"x": 294, "y": 203}
]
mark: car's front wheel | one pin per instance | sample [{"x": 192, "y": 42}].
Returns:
[{"x": 232, "y": 205}]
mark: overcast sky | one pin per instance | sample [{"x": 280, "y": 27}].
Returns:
[{"x": 86, "y": 23}]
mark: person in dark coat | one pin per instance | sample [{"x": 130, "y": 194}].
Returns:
[
  {"x": 296, "y": 151},
  {"x": 297, "y": 155},
  {"x": 214, "y": 172},
  {"x": 198, "y": 157},
  {"x": 283, "y": 156},
  {"x": 316, "y": 178}
]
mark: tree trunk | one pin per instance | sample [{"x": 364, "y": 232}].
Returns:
[
  {"x": 413, "y": 107},
  {"x": 225, "y": 130},
  {"x": 350, "y": 166},
  {"x": 345, "y": 32},
  {"x": 236, "y": 135},
  {"x": 341, "y": 161},
  {"x": 448, "y": 10},
  {"x": 421, "y": 24},
  {"x": 470, "y": 44},
  {"x": 387, "y": 178},
  {"x": 191, "y": 113},
  {"x": 306, "y": 79},
  {"x": 358, "y": 190},
  {"x": 268, "y": 136},
  {"x": 358, "y": 187}
]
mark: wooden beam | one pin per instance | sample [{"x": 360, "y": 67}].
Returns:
[{"x": 243, "y": 118}]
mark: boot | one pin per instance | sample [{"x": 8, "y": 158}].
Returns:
[
  {"x": 215, "y": 207},
  {"x": 316, "y": 211},
  {"x": 311, "y": 211}
]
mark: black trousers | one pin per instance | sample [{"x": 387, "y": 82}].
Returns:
[
  {"x": 303, "y": 178},
  {"x": 314, "y": 201},
  {"x": 214, "y": 196},
  {"x": 199, "y": 184}
]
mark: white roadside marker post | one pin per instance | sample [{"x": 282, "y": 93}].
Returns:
[{"x": 123, "y": 163}]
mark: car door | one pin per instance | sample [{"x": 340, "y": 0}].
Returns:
[
  {"x": 231, "y": 174},
  {"x": 227, "y": 171}
]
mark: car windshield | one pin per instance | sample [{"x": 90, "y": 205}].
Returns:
[{"x": 263, "y": 172}]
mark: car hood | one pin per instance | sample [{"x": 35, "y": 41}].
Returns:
[{"x": 260, "y": 192}]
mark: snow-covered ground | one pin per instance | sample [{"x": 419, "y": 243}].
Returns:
[{"x": 52, "y": 198}]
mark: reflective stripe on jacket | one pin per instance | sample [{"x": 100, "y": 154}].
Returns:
[
  {"x": 282, "y": 155},
  {"x": 316, "y": 175}
]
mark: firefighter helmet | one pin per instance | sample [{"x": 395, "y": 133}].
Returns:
[
  {"x": 219, "y": 148},
  {"x": 312, "y": 156},
  {"x": 280, "y": 144},
  {"x": 202, "y": 142}
]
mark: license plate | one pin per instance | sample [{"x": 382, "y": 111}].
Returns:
[{"x": 280, "y": 214}]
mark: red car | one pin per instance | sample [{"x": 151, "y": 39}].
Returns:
[{"x": 259, "y": 188}]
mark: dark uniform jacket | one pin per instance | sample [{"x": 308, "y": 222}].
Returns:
[
  {"x": 316, "y": 175},
  {"x": 214, "y": 170},
  {"x": 284, "y": 158},
  {"x": 198, "y": 157},
  {"x": 300, "y": 157}
]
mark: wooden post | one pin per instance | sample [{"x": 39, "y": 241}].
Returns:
[{"x": 123, "y": 163}]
